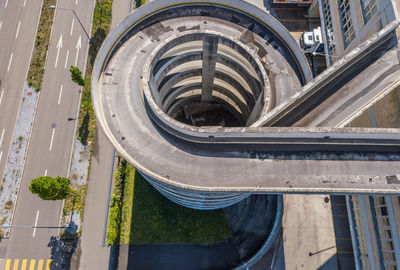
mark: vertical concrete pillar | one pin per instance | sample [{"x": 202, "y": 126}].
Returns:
[{"x": 210, "y": 47}]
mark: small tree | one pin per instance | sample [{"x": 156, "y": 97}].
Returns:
[
  {"x": 76, "y": 76},
  {"x": 49, "y": 188}
]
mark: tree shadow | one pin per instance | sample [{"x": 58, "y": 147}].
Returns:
[
  {"x": 95, "y": 43},
  {"x": 84, "y": 129},
  {"x": 62, "y": 248}
]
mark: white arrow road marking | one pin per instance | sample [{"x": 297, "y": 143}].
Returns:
[
  {"x": 36, "y": 220},
  {"x": 59, "y": 96},
  {"x": 2, "y": 136},
  {"x": 66, "y": 59},
  {"x": 52, "y": 139},
  {"x": 72, "y": 26},
  {"x": 9, "y": 63},
  {"x": 78, "y": 46},
  {"x": 1, "y": 96},
  {"x": 59, "y": 46},
  {"x": 19, "y": 25}
]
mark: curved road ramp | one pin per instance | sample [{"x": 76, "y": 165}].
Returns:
[{"x": 178, "y": 88}]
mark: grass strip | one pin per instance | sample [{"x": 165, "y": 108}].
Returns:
[
  {"x": 147, "y": 217},
  {"x": 115, "y": 214},
  {"x": 87, "y": 118},
  {"x": 36, "y": 68}
]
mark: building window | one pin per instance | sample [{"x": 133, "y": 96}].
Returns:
[
  {"x": 330, "y": 38},
  {"x": 346, "y": 21},
  {"x": 369, "y": 9},
  {"x": 360, "y": 229},
  {"x": 384, "y": 232}
]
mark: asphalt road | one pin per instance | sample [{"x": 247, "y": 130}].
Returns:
[
  {"x": 49, "y": 151},
  {"x": 18, "y": 23}
]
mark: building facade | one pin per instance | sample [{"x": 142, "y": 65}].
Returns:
[
  {"x": 374, "y": 220},
  {"x": 347, "y": 23}
]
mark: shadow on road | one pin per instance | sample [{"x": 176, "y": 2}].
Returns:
[{"x": 62, "y": 249}]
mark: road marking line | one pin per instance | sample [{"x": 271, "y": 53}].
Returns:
[
  {"x": 32, "y": 265},
  {"x": 24, "y": 3},
  {"x": 15, "y": 266},
  {"x": 48, "y": 264},
  {"x": 1, "y": 23},
  {"x": 19, "y": 25},
  {"x": 45, "y": 172},
  {"x": 59, "y": 46},
  {"x": 78, "y": 46},
  {"x": 1, "y": 155},
  {"x": 2, "y": 136},
  {"x": 24, "y": 263},
  {"x": 66, "y": 59},
  {"x": 8, "y": 264},
  {"x": 72, "y": 26},
  {"x": 9, "y": 63},
  {"x": 59, "y": 96},
  {"x": 52, "y": 138},
  {"x": 34, "y": 229},
  {"x": 40, "y": 265},
  {"x": 6, "y": 4},
  {"x": 76, "y": 2},
  {"x": 1, "y": 96}
]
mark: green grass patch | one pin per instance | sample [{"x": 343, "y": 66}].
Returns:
[
  {"x": 150, "y": 218},
  {"x": 36, "y": 68}
]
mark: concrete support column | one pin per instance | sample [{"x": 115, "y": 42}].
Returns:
[{"x": 210, "y": 47}]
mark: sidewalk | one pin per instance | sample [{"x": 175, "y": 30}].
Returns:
[{"x": 90, "y": 253}]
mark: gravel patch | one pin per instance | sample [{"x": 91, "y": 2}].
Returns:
[
  {"x": 16, "y": 158},
  {"x": 78, "y": 175}
]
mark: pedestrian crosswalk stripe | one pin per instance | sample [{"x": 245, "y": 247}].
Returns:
[
  {"x": 8, "y": 264},
  {"x": 40, "y": 265},
  {"x": 22, "y": 264},
  {"x": 16, "y": 262},
  {"x": 48, "y": 264},
  {"x": 32, "y": 265}
]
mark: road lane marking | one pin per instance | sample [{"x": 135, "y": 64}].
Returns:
[
  {"x": 34, "y": 229},
  {"x": 6, "y": 4},
  {"x": 9, "y": 63},
  {"x": 8, "y": 264},
  {"x": 72, "y": 26},
  {"x": 78, "y": 46},
  {"x": 59, "y": 45},
  {"x": 24, "y": 263},
  {"x": 24, "y": 3},
  {"x": 52, "y": 138},
  {"x": 1, "y": 23},
  {"x": 45, "y": 172},
  {"x": 66, "y": 59},
  {"x": 32, "y": 265},
  {"x": 40, "y": 265},
  {"x": 76, "y": 2},
  {"x": 1, "y": 96},
  {"x": 59, "y": 96},
  {"x": 19, "y": 25},
  {"x": 1, "y": 155},
  {"x": 16, "y": 263},
  {"x": 48, "y": 264},
  {"x": 2, "y": 136}
]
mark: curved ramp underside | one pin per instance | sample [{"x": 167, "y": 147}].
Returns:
[{"x": 212, "y": 167}]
